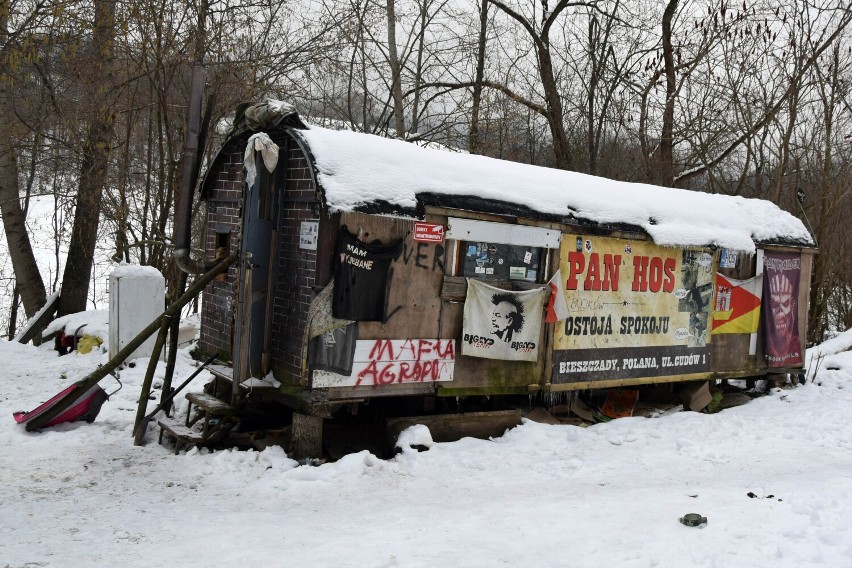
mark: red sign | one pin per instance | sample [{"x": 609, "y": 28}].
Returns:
[{"x": 429, "y": 233}]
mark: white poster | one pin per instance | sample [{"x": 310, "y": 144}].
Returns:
[
  {"x": 308, "y": 233},
  {"x": 502, "y": 324}
]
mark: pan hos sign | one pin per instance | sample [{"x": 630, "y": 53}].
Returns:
[
  {"x": 631, "y": 293},
  {"x": 602, "y": 272}
]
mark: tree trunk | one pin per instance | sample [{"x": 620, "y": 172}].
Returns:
[
  {"x": 28, "y": 280},
  {"x": 592, "y": 93},
  {"x": 475, "y": 142},
  {"x": 666, "y": 167},
  {"x": 93, "y": 170},
  {"x": 561, "y": 151},
  {"x": 418, "y": 74},
  {"x": 396, "y": 79}
]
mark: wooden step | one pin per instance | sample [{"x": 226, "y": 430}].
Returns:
[
  {"x": 221, "y": 371},
  {"x": 212, "y": 410},
  {"x": 210, "y": 404},
  {"x": 179, "y": 432}
]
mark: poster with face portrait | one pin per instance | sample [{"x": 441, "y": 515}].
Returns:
[
  {"x": 502, "y": 324},
  {"x": 781, "y": 273}
]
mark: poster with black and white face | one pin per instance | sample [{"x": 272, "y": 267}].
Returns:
[{"x": 502, "y": 324}]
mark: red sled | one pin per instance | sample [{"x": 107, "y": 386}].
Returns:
[{"x": 86, "y": 406}]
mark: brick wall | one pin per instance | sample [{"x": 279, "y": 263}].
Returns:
[
  {"x": 296, "y": 270},
  {"x": 222, "y": 223}
]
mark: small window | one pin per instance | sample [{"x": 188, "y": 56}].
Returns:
[
  {"x": 492, "y": 261},
  {"x": 223, "y": 241}
]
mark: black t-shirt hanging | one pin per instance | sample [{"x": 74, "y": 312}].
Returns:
[
  {"x": 361, "y": 277},
  {"x": 334, "y": 350}
]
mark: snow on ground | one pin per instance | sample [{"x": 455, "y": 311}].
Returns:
[
  {"x": 92, "y": 322},
  {"x": 541, "y": 495},
  {"x": 830, "y": 354}
]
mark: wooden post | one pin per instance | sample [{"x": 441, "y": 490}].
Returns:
[
  {"x": 306, "y": 437},
  {"x": 149, "y": 373},
  {"x": 242, "y": 369}
]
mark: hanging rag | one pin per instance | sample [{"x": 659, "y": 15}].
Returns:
[{"x": 260, "y": 142}]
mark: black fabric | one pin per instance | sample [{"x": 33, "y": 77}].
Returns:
[
  {"x": 97, "y": 400},
  {"x": 334, "y": 350},
  {"x": 361, "y": 277}
]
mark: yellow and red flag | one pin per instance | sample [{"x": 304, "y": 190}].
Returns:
[{"x": 737, "y": 305}]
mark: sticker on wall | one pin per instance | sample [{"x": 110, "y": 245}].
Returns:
[
  {"x": 428, "y": 233},
  {"x": 308, "y": 234}
]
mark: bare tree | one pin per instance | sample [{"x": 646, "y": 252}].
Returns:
[
  {"x": 28, "y": 281},
  {"x": 93, "y": 169},
  {"x": 396, "y": 79}
]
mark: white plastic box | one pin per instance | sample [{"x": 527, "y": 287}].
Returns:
[{"x": 137, "y": 296}]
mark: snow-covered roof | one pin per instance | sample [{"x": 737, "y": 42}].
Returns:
[{"x": 358, "y": 170}]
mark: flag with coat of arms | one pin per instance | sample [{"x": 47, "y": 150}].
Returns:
[{"x": 736, "y": 307}]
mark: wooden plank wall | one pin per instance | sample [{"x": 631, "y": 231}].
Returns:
[
  {"x": 804, "y": 296},
  {"x": 729, "y": 351},
  {"x": 415, "y": 277},
  {"x": 426, "y": 301},
  {"x": 416, "y": 309}
]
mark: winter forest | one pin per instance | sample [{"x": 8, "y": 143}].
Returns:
[{"x": 750, "y": 98}]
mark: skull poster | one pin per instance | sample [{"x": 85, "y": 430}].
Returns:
[
  {"x": 781, "y": 274},
  {"x": 501, "y": 324}
]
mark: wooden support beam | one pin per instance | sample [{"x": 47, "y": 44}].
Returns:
[
  {"x": 306, "y": 440},
  {"x": 149, "y": 373}
]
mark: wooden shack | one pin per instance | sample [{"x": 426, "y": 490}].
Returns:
[{"x": 360, "y": 257}]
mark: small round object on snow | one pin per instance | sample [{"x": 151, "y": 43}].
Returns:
[{"x": 693, "y": 520}]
